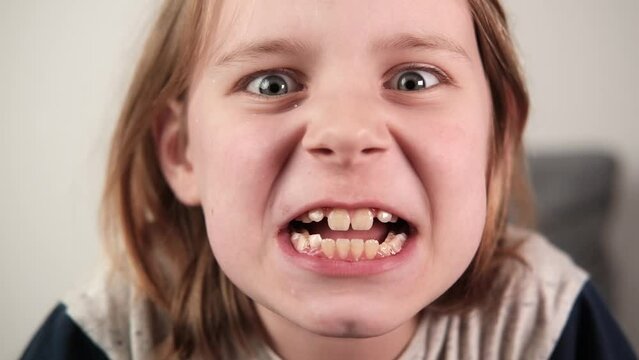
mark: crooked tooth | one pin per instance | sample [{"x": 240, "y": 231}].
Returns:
[
  {"x": 328, "y": 248},
  {"x": 389, "y": 236},
  {"x": 362, "y": 219},
  {"x": 301, "y": 242},
  {"x": 393, "y": 219},
  {"x": 315, "y": 241},
  {"x": 343, "y": 247},
  {"x": 357, "y": 248},
  {"x": 384, "y": 249},
  {"x": 384, "y": 216},
  {"x": 401, "y": 237},
  {"x": 396, "y": 243},
  {"x": 339, "y": 220},
  {"x": 295, "y": 238},
  {"x": 370, "y": 248},
  {"x": 316, "y": 215}
]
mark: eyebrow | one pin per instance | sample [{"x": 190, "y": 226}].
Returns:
[
  {"x": 407, "y": 41},
  {"x": 254, "y": 50}
]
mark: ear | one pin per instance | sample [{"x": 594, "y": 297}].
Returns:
[{"x": 172, "y": 151}]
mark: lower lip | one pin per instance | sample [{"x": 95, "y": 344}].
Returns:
[{"x": 340, "y": 268}]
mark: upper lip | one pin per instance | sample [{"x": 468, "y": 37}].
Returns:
[{"x": 336, "y": 204}]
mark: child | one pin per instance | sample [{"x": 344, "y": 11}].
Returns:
[{"x": 325, "y": 180}]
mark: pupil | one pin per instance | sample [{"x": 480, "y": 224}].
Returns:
[
  {"x": 412, "y": 81},
  {"x": 273, "y": 85}
]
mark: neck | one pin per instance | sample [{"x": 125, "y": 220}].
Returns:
[{"x": 290, "y": 341}]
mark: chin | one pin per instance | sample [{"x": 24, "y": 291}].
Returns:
[{"x": 363, "y": 322}]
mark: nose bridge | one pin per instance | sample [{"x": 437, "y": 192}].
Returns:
[{"x": 345, "y": 128}]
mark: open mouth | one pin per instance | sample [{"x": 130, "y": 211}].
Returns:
[{"x": 349, "y": 234}]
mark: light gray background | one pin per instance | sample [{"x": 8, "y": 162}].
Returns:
[{"x": 64, "y": 67}]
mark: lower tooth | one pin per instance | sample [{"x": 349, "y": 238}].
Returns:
[
  {"x": 301, "y": 244},
  {"x": 357, "y": 248},
  {"x": 396, "y": 245},
  {"x": 328, "y": 247},
  {"x": 384, "y": 249},
  {"x": 315, "y": 241},
  {"x": 343, "y": 248},
  {"x": 370, "y": 248}
]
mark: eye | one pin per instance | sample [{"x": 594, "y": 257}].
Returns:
[
  {"x": 273, "y": 84},
  {"x": 414, "y": 80}
]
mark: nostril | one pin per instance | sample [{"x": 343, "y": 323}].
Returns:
[
  {"x": 372, "y": 150},
  {"x": 323, "y": 151}
]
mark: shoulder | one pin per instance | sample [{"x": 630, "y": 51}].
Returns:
[
  {"x": 60, "y": 338},
  {"x": 541, "y": 306},
  {"x": 110, "y": 314},
  {"x": 591, "y": 332},
  {"x": 526, "y": 311}
]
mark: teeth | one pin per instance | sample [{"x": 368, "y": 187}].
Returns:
[
  {"x": 401, "y": 237},
  {"x": 301, "y": 243},
  {"x": 343, "y": 248},
  {"x": 316, "y": 215},
  {"x": 370, "y": 248},
  {"x": 384, "y": 216},
  {"x": 315, "y": 241},
  {"x": 397, "y": 242},
  {"x": 339, "y": 220},
  {"x": 347, "y": 249},
  {"x": 328, "y": 248},
  {"x": 357, "y": 248},
  {"x": 305, "y": 219},
  {"x": 295, "y": 237},
  {"x": 362, "y": 219},
  {"x": 384, "y": 250}
]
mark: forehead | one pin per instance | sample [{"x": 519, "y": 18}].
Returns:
[{"x": 347, "y": 24}]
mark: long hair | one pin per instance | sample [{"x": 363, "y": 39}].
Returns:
[{"x": 162, "y": 244}]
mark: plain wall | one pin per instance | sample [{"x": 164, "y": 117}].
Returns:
[
  {"x": 65, "y": 66},
  {"x": 582, "y": 62}
]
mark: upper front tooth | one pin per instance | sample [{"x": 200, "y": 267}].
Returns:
[
  {"x": 384, "y": 216},
  {"x": 316, "y": 215},
  {"x": 339, "y": 220},
  {"x": 362, "y": 219}
]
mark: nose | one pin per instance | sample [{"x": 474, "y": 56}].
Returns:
[{"x": 346, "y": 132}]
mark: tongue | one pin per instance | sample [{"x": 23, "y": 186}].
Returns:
[{"x": 377, "y": 232}]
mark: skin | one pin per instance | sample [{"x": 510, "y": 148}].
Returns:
[{"x": 341, "y": 134}]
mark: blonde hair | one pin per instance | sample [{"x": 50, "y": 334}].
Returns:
[{"x": 163, "y": 244}]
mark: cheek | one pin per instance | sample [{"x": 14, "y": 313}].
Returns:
[
  {"x": 236, "y": 160},
  {"x": 451, "y": 160},
  {"x": 231, "y": 179}
]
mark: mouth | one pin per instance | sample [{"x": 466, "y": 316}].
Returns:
[{"x": 349, "y": 235}]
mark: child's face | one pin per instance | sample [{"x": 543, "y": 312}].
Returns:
[{"x": 346, "y": 109}]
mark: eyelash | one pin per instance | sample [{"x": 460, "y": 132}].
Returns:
[{"x": 441, "y": 76}]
